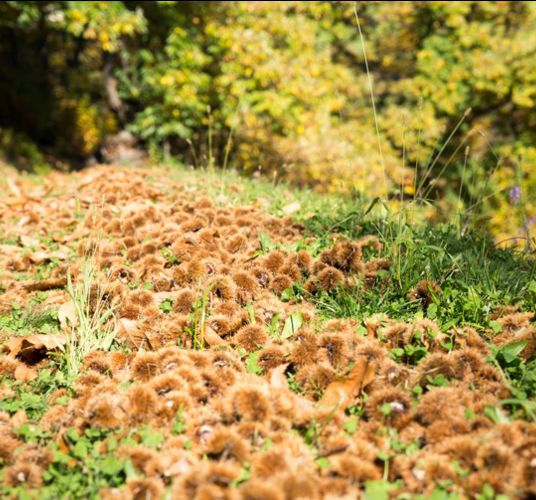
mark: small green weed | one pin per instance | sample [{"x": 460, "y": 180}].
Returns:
[
  {"x": 170, "y": 256},
  {"x": 166, "y": 306},
  {"x": 198, "y": 319},
  {"x": 252, "y": 363},
  {"x": 179, "y": 426},
  {"x": 32, "y": 319},
  {"x": 32, "y": 396}
]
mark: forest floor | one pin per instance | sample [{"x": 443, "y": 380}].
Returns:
[{"x": 170, "y": 334}]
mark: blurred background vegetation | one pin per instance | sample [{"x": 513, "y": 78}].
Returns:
[{"x": 282, "y": 88}]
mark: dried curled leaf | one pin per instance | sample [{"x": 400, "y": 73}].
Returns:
[
  {"x": 67, "y": 315},
  {"x": 44, "y": 256},
  {"x": 212, "y": 338},
  {"x": 303, "y": 408},
  {"x": 44, "y": 285},
  {"x": 29, "y": 241},
  {"x": 127, "y": 329},
  {"x": 339, "y": 394},
  {"x": 10, "y": 250},
  {"x": 278, "y": 381},
  {"x": 33, "y": 348}
]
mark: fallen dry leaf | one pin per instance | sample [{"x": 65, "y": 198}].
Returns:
[
  {"x": 40, "y": 257},
  {"x": 33, "y": 348},
  {"x": 339, "y": 394},
  {"x": 62, "y": 445},
  {"x": 13, "y": 187},
  {"x": 23, "y": 373},
  {"x": 43, "y": 256},
  {"x": 64, "y": 448},
  {"x": 9, "y": 250},
  {"x": 15, "y": 201},
  {"x": 127, "y": 329},
  {"x": 44, "y": 285},
  {"x": 163, "y": 296},
  {"x": 88, "y": 179},
  {"x": 302, "y": 407},
  {"x": 55, "y": 299},
  {"x": 29, "y": 241},
  {"x": 278, "y": 380},
  {"x": 67, "y": 315},
  {"x": 78, "y": 233},
  {"x": 292, "y": 208},
  {"x": 23, "y": 220},
  {"x": 212, "y": 338}
]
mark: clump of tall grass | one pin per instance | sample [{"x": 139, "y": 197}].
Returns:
[{"x": 91, "y": 327}]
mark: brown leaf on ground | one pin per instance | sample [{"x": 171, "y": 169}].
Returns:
[
  {"x": 127, "y": 329},
  {"x": 10, "y": 250},
  {"x": 42, "y": 255},
  {"x": 163, "y": 296},
  {"x": 292, "y": 208},
  {"x": 29, "y": 241},
  {"x": 340, "y": 394},
  {"x": 44, "y": 285},
  {"x": 303, "y": 408},
  {"x": 13, "y": 187},
  {"x": 88, "y": 179},
  {"x": 62, "y": 445},
  {"x": 15, "y": 201},
  {"x": 23, "y": 373},
  {"x": 64, "y": 448},
  {"x": 33, "y": 348},
  {"x": 278, "y": 380},
  {"x": 78, "y": 233},
  {"x": 212, "y": 338},
  {"x": 67, "y": 315}
]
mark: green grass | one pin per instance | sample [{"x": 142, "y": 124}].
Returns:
[
  {"x": 231, "y": 188},
  {"x": 92, "y": 329},
  {"x": 33, "y": 396},
  {"x": 32, "y": 319},
  {"x": 473, "y": 275}
]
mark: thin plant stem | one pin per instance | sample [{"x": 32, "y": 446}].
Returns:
[
  {"x": 371, "y": 90},
  {"x": 443, "y": 147}
]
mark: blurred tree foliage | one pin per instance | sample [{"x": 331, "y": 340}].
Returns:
[{"x": 282, "y": 86}]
